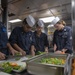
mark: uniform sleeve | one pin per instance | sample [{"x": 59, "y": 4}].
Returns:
[
  {"x": 46, "y": 41},
  {"x": 33, "y": 39},
  {"x": 3, "y": 37},
  {"x": 13, "y": 37},
  {"x": 69, "y": 40},
  {"x": 54, "y": 38}
]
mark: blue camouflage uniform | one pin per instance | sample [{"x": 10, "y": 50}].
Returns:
[
  {"x": 3, "y": 39},
  {"x": 23, "y": 39},
  {"x": 41, "y": 42},
  {"x": 63, "y": 39}
]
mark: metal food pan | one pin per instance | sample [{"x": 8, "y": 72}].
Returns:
[
  {"x": 72, "y": 58},
  {"x": 21, "y": 58},
  {"x": 36, "y": 68},
  {"x": 17, "y": 58},
  {"x": 34, "y": 57}
]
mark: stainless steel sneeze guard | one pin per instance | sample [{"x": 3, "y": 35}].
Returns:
[{"x": 36, "y": 68}]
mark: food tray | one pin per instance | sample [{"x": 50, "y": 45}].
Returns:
[
  {"x": 20, "y": 58},
  {"x": 22, "y": 61},
  {"x": 14, "y": 64},
  {"x": 36, "y": 68}
]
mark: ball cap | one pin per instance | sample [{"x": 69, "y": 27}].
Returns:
[
  {"x": 40, "y": 23},
  {"x": 30, "y": 20},
  {"x": 55, "y": 20}
]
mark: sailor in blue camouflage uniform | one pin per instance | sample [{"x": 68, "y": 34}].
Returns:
[
  {"x": 41, "y": 40},
  {"x": 21, "y": 38},
  {"x": 5, "y": 47},
  {"x": 62, "y": 40}
]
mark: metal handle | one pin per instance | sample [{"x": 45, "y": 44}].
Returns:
[{"x": 66, "y": 68}]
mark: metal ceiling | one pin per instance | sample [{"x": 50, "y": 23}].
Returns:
[{"x": 40, "y": 8}]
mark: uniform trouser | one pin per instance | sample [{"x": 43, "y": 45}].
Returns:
[{"x": 5, "y": 51}]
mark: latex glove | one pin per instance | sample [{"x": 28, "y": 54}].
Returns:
[
  {"x": 46, "y": 50},
  {"x": 2, "y": 56},
  {"x": 13, "y": 52},
  {"x": 58, "y": 52},
  {"x": 33, "y": 49},
  {"x": 23, "y": 52},
  {"x": 55, "y": 47},
  {"x": 64, "y": 50},
  {"x": 32, "y": 52}
]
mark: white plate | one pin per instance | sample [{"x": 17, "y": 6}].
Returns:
[{"x": 22, "y": 64}]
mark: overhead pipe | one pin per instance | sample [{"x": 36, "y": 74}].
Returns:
[
  {"x": 4, "y": 5},
  {"x": 73, "y": 23},
  {"x": 13, "y": 1}
]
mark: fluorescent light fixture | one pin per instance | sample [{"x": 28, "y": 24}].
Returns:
[
  {"x": 15, "y": 20},
  {"x": 47, "y": 19},
  {"x": 50, "y": 25}
]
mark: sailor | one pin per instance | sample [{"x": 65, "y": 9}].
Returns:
[
  {"x": 62, "y": 40},
  {"x": 21, "y": 38}
]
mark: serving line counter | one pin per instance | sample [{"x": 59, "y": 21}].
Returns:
[
  {"x": 41, "y": 65},
  {"x": 35, "y": 67},
  {"x": 13, "y": 60}
]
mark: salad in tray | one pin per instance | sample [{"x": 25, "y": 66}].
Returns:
[{"x": 8, "y": 67}]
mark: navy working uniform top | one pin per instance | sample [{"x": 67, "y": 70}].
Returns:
[
  {"x": 3, "y": 39},
  {"x": 23, "y": 39},
  {"x": 40, "y": 42},
  {"x": 63, "y": 39}
]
